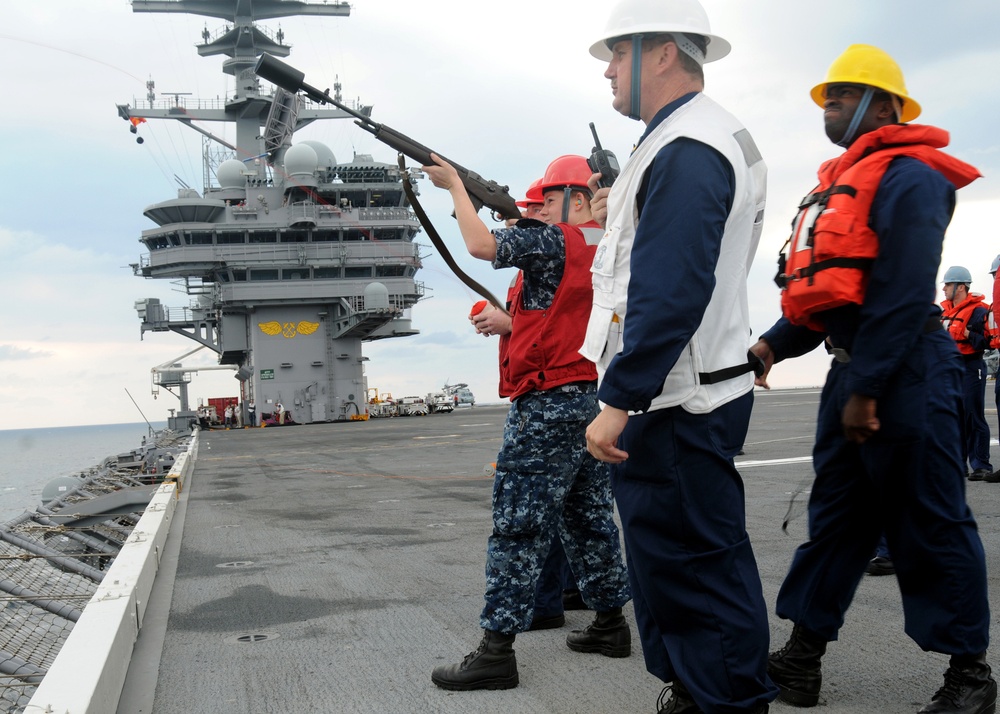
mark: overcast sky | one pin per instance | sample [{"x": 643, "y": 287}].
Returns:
[{"x": 501, "y": 90}]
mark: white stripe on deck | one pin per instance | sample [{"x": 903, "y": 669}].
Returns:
[
  {"x": 799, "y": 459},
  {"x": 773, "y": 462}
]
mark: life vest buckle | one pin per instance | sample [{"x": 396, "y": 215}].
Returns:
[{"x": 840, "y": 354}]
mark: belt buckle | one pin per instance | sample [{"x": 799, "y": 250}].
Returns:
[{"x": 841, "y": 355}]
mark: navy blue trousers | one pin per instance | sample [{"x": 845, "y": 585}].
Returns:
[
  {"x": 555, "y": 577},
  {"x": 696, "y": 589},
  {"x": 908, "y": 480},
  {"x": 996, "y": 399},
  {"x": 977, "y": 431}
]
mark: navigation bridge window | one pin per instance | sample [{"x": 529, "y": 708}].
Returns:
[
  {"x": 326, "y": 273},
  {"x": 390, "y": 271},
  {"x": 364, "y": 174},
  {"x": 387, "y": 234},
  {"x": 295, "y": 274},
  {"x": 358, "y": 271},
  {"x": 262, "y": 274}
]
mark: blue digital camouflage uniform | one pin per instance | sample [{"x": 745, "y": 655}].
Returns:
[{"x": 544, "y": 477}]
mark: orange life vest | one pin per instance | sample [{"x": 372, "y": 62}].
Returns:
[
  {"x": 832, "y": 246},
  {"x": 955, "y": 319},
  {"x": 991, "y": 331}
]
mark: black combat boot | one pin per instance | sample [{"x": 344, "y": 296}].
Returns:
[
  {"x": 608, "y": 634},
  {"x": 795, "y": 668},
  {"x": 573, "y": 600},
  {"x": 680, "y": 701},
  {"x": 547, "y": 622},
  {"x": 968, "y": 688},
  {"x": 491, "y": 666}
]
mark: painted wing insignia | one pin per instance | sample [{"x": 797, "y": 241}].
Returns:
[
  {"x": 307, "y": 328},
  {"x": 270, "y": 328}
]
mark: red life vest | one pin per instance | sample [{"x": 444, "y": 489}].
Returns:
[
  {"x": 992, "y": 331},
  {"x": 832, "y": 246},
  {"x": 543, "y": 351},
  {"x": 994, "y": 321},
  {"x": 956, "y": 320},
  {"x": 513, "y": 292}
]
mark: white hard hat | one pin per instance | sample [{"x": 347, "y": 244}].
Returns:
[
  {"x": 995, "y": 265},
  {"x": 633, "y": 17}
]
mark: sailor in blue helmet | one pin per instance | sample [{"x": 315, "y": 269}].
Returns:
[
  {"x": 964, "y": 316},
  {"x": 669, "y": 331}
]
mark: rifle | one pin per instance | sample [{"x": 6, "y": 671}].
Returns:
[{"x": 481, "y": 192}]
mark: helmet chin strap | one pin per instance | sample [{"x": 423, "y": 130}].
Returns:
[
  {"x": 859, "y": 114},
  {"x": 636, "y": 76},
  {"x": 567, "y": 195}
]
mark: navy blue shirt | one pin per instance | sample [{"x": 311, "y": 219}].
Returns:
[
  {"x": 911, "y": 210},
  {"x": 539, "y": 250},
  {"x": 676, "y": 248}
]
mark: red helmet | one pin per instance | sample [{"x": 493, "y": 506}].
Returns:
[
  {"x": 565, "y": 171},
  {"x": 532, "y": 195}
]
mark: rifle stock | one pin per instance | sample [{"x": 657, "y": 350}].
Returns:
[{"x": 481, "y": 191}]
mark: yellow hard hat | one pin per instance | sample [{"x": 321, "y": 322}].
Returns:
[{"x": 868, "y": 65}]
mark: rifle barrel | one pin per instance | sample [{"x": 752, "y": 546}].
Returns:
[{"x": 481, "y": 191}]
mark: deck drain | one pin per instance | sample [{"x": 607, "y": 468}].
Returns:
[
  {"x": 252, "y": 638},
  {"x": 228, "y": 525},
  {"x": 235, "y": 564},
  {"x": 440, "y": 525}
]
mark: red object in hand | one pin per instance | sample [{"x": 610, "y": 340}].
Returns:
[{"x": 478, "y": 307}]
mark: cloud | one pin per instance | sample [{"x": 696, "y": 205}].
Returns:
[{"x": 12, "y": 353}]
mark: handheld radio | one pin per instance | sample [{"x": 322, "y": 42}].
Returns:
[{"x": 603, "y": 162}]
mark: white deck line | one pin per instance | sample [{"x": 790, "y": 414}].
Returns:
[{"x": 88, "y": 674}]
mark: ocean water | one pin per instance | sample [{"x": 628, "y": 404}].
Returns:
[{"x": 30, "y": 458}]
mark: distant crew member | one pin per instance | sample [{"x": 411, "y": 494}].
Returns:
[{"x": 965, "y": 316}]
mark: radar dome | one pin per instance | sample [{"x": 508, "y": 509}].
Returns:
[
  {"x": 301, "y": 160},
  {"x": 376, "y": 296},
  {"x": 325, "y": 157},
  {"x": 59, "y": 487},
  {"x": 230, "y": 174}
]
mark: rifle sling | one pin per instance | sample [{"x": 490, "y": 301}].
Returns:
[{"x": 440, "y": 244}]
